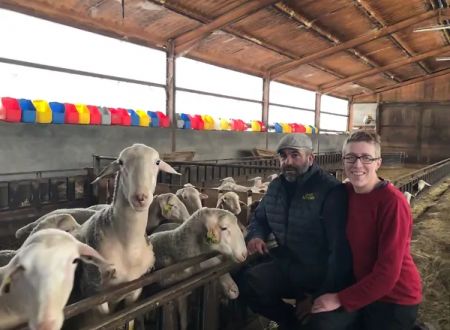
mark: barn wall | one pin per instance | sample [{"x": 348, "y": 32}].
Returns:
[
  {"x": 431, "y": 90},
  {"x": 30, "y": 147},
  {"x": 422, "y": 130}
]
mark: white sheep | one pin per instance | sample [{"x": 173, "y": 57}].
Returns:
[
  {"x": 62, "y": 221},
  {"x": 118, "y": 230},
  {"x": 421, "y": 186},
  {"x": 272, "y": 177},
  {"x": 80, "y": 215},
  {"x": 37, "y": 281},
  {"x": 191, "y": 197},
  {"x": 6, "y": 256},
  {"x": 231, "y": 186},
  {"x": 230, "y": 201},
  {"x": 166, "y": 207},
  {"x": 205, "y": 231},
  {"x": 408, "y": 196}
]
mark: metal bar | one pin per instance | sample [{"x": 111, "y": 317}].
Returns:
[
  {"x": 290, "y": 107},
  {"x": 79, "y": 72},
  {"x": 182, "y": 89}
]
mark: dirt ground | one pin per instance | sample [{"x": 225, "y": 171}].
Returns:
[{"x": 431, "y": 252}]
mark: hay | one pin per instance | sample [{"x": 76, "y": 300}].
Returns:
[{"x": 431, "y": 251}]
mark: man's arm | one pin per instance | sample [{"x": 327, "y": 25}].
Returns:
[
  {"x": 334, "y": 219},
  {"x": 258, "y": 227}
]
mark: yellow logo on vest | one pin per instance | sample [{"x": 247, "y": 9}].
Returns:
[{"x": 309, "y": 197}]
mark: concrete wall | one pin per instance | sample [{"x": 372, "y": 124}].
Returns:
[{"x": 33, "y": 147}]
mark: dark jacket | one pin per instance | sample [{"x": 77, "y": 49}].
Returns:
[{"x": 309, "y": 228}]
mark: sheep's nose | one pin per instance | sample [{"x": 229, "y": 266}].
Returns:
[
  {"x": 46, "y": 325},
  {"x": 141, "y": 198}
]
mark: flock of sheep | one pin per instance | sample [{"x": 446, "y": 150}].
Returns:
[{"x": 116, "y": 243}]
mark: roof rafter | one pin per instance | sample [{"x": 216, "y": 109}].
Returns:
[
  {"x": 407, "y": 82},
  {"x": 278, "y": 70},
  {"x": 264, "y": 44},
  {"x": 327, "y": 35},
  {"x": 334, "y": 84},
  {"x": 188, "y": 40},
  {"x": 368, "y": 10}
]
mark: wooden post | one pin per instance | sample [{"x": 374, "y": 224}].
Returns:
[
  {"x": 170, "y": 90},
  {"x": 317, "y": 108},
  {"x": 265, "y": 105},
  {"x": 350, "y": 115}
]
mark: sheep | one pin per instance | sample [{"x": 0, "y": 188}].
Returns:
[
  {"x": 408, "y": 196},
  {"x": 117, "y": 231},
  {"x": 421, "y": 186},
  {"x": 62, "y": 221},
  {"x": 191, "y": 197},
  {"x": 80, "y": 215},
  {"x": 165, "y": 207},
  {"x": 231, "y": 186},
  {"x": 230, "y": 201},
  {"x": 97, "y": 207},
  {"x": 6, "y": 256},
  {"x": 37, "y": 281},
  {"x": 272, "y": 177},
  {"x": 205, "y": 231}
]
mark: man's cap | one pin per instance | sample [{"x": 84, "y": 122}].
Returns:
[{"x": 294, "y": 141}]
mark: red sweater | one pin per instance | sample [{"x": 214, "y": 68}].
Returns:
[{"x": 379, "y": 230}]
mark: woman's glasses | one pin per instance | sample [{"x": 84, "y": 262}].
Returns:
[{"x": 365, "y": 159}]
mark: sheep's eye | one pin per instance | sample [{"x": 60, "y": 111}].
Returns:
[
  {"x": 158, "y": 161},
  {"x": 76, "y": 261},
  {"x": 223, "y": 228},
  {"x": 120, "y": 162}
]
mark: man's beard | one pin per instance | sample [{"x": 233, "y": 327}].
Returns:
[{"x": 291, "y": 173}]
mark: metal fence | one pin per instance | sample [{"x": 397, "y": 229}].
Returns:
[{"x": 430, "y": 174}]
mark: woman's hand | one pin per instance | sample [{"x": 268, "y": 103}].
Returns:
[{"x": 326, "y": 303}]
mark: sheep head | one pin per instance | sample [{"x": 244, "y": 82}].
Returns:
[
  {"x": 41, "y": 275},
  {"x": 137, "y": 167}
]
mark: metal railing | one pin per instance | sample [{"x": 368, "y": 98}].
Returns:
[{"x": 430, "y": 174}]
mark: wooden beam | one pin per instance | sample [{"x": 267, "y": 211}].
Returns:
[
  {"x": 186, "y": 41},
  {"x": 265, "y": 106},
  {"x": 170, "y": 90},
  {"x": 278, "y": 70},
  {"x": 251, "y": 39},
  {"x": 370, "y": 12},
  {"x": 407, "y": 82},
  {"x": 69, "y": 17},
  {"x": 350, "y": 115},
  {"x": 317, "y": 110},
  {"x": 327, "y": 35},
  {"x": 326, "y": 88}
]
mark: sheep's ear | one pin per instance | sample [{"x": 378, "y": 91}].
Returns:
[
  {"x": 112, "y": 168},
  {"x": 203, "y": 196},
  {"x": 242, "y": 203},
  {"x": 90, "y": 255},
  {"x": 7, "y": 273},
  {"x": 163, "y": 166}
]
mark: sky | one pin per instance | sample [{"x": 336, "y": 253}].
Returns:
[{"x": 38, "y": 41}]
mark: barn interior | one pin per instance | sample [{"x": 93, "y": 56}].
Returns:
[{"x": 390, "y": 60}]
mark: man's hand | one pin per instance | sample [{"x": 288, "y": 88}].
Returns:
[
  {"x": 326, "y": 303},
  {"x": 257, "y": 245}
]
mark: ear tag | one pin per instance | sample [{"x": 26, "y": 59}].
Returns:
[
  {"x": 211, "y": 238},
  {"x": 167, "y": 208},
  {"x": 4, "y": 288}
]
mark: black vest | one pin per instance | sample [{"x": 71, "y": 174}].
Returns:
[{"x": 298, "y": 227}]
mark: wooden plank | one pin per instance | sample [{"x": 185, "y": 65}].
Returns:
[
  {"x": 317, "y": 110},
  {"x": 408, "y": 82},
  {"x": 326, "y": 88},
  {"x": 278, "y": 70},
  {"x": 186, "y": 41}
]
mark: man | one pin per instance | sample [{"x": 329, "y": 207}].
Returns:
[{"x": 305, "y": 210}]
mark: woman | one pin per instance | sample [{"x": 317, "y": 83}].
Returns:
[{"x": 388, "y": 289}]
